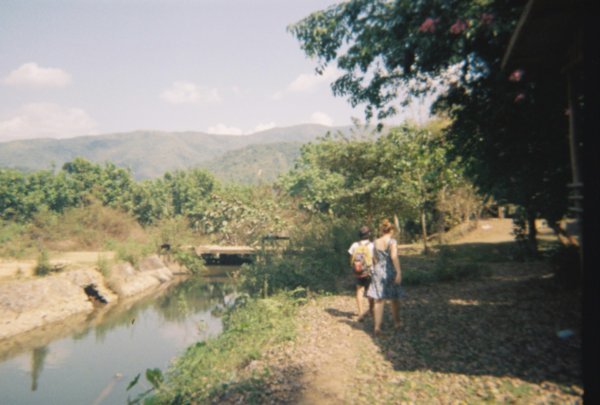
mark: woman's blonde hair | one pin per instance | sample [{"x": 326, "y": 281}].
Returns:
[{"x": 386, "y": 226}]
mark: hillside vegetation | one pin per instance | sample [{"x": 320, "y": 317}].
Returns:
[
  {"x": 150, "y": 154},
  {"x": 254, "y": 164}
]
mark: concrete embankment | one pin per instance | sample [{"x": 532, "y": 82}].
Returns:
[{"x": 27, "y": 304}]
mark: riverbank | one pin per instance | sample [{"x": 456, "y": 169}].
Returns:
[{"x": 28, "y": 303}]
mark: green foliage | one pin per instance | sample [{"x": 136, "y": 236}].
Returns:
[
  {"x": 11, "y": 235},
  {"x": 207, "y": 368},
  {"x": 133, "y": 251},
  {"x": 337, "y": 175},
  {"x": 101, "y": 198},
  {"x": 175, "y": 232},
  {"x": 405, "y": 172},
  {"x": 242, "y": 215},
  {"x": 78, "y": 184},
  {"x": 43, "y": 266},
  {"x": 447, "y": 264},
  {"x": 190, "y": 260},
  {"x": 383, "y": 46},
  {"x": 316, "y": 260},
  {"x": 508, "y": 128},
  {"x": 254, "y": 164}
]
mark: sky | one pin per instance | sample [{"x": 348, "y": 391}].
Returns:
[{"x": 83, "y": 67}]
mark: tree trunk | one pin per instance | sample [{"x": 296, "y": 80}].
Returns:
[{"x": 424, "y": 230}]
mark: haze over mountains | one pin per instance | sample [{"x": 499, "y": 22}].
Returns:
[{"x": 241, "y": 158}]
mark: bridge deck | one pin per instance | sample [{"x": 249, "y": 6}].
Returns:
[{"x": 224, "y": 250}]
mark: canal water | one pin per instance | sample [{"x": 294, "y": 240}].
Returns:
[{"x": 92, "y": 359}]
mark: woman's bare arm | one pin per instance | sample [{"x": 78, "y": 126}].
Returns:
[{"x": 396, "y": 262}]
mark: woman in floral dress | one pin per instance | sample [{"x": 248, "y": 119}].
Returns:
[{"x": 386, "y": 276}]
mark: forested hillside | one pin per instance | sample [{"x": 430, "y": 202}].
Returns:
[
  {"x": 254, "y": 164},
  {"x": 150, "y": 154}
]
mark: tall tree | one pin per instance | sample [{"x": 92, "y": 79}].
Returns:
[
  {"x": 415, "y": 162},
  {"x": 506, "y": 128}
]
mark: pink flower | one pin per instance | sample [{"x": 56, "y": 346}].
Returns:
[
  {"x": 458, "y": 27},
  {"x": 520, "y": 97},
  {"x": 429, "y": 25},
  {"x": 487, "y": 18},
  {"x": 516, "y": 75}
]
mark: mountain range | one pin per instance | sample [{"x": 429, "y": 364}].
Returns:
[{"x": 250, "y": 159}]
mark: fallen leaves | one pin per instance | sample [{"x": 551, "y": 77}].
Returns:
[{"x": 490, "y": 340}]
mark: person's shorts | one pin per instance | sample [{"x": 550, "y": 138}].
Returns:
[{"x": 363, "y": 281}]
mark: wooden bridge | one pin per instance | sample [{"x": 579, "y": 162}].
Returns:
[{"x": 213, "y": 254}]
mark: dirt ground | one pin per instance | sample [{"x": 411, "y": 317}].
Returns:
[
  {"x": 11, "y": 269},
  {"x": 511, "y": 337}
]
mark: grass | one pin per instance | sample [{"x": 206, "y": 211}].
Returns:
[{"x": 209, "y": 368}]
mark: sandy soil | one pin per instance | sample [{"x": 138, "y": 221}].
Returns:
[{"x": 11, "y": 269}]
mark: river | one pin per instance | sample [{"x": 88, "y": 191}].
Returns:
[{"x": 92, "y": 359}]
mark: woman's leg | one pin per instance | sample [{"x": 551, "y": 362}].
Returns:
[
  {"x": 360, "y": 292},
  {"x": 378, "y": 315}
]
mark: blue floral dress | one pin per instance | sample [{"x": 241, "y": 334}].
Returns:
[{"x": 382, "y": 277}]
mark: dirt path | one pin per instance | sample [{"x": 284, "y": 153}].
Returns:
[{"x": 489, "y": 340}]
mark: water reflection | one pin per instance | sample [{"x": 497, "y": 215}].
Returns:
[
  {"x": 91, "y": 358},
  {"x": 38, "y": 355}
]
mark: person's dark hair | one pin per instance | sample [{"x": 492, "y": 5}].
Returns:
[
  {"x": 364, "y": 232},
  {"x": 386, "y": 226}
]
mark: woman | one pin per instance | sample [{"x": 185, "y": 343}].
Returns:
[
  {"x": 362, "y": 280},
  {"x": 386, "y": 276}
]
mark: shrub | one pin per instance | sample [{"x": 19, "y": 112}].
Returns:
[
  {"x": 316, "y": 260},
  {"x": 132, "y": 251},
  {"x": 103, "y": 265},
  {"x": 43, "y": 266},
  {"x": 13, "y": 239},
  {"x": 190, "y": 260}
]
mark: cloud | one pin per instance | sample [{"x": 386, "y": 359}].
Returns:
[
  {"x": 32, "y": 75},
  {"x": 222, "y": 129},
  {"x": 46, "y": 120},
  {"x": 189, "y": 93},
  {"x": 263, "y": 127},
  {"x": 308, "y": 83},
  {"x": 305, "y": 83},
  {"x": 321, "y": 118}
]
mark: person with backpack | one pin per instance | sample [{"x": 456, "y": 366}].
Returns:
[
  {"x": 361, "y": 262},
  {"x": 386, "y": 276}
]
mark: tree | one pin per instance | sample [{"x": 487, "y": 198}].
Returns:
[
  {"x": 190, "y": 190},
  {"x": 401, "y": 173},
  {"x": 417, "y": 165},
  {"x": 505, "y": 127},
  {"x": 338, "y": 175}
]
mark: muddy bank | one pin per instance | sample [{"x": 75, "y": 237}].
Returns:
[{"x": 28, "y": 304}]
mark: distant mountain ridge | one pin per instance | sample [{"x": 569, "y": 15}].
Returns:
[{"x": 150, "y": 154}]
